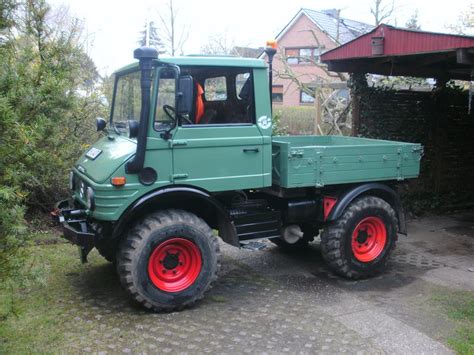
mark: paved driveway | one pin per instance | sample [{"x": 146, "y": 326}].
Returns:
[{"x": 267, "y": 301}]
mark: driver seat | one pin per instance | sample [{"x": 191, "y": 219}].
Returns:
[
  {"x": 202, "y": 116},
  {"x": 199, "y": 103}
]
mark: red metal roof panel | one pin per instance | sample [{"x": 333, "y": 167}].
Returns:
[{"x": 399, "y": 41}]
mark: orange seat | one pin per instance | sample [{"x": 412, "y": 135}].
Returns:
[{"x": 199, "y": 103}]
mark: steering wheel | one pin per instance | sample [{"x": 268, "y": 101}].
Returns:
[{"x": 171, "y": 113}]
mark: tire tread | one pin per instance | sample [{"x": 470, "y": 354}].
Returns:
[
  {"x": 137, "y": 236},
  {"x": 333, "y": 234}
]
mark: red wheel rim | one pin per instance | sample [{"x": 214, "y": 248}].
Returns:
[
  {"x": 174, "y": 265},
  {"x": 369, "y": 239}
]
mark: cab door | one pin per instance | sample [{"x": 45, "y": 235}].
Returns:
[
  {"x": 226, "y": 153},
  {"x": 218, "y": 158}
]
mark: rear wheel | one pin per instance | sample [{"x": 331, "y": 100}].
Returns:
[
  {"x": 169, "y": 260},
  {"x": 359, "y": 243}
]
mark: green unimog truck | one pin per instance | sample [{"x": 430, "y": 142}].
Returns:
[{"x": 188, "y": 156}]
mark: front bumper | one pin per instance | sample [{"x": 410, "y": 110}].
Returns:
[{"x": 75, "y": 227}]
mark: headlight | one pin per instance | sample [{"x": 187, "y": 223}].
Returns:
[
  {"x": 90, "y": 200},
  {"x": 71, "y": 181}
]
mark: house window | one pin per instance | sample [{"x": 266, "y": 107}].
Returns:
[
  {"x": 292, "y": 55},
  {"x": 302, "y": 55},
  {"x": 277, "y": 93},
  {"x": 305, "y": 98}
]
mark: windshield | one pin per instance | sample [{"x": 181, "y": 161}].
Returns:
[{"x": 127, "y": 102}]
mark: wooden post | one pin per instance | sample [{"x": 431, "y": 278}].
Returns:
[
  {"x": 319, "y": 111},
  {"x": 355, "y": 112}
]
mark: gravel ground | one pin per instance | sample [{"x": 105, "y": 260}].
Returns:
[{"x": 268, "y": 301}]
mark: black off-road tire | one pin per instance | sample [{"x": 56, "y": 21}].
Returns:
[
  {"x": 336, "y": 238},
  {"x": 152, "y": 232},
  {"x": 106, "y": 246},
  {"x": 108, "y": 251}
]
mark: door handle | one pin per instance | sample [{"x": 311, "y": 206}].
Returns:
[
  {"x": 251, "y": 150},
  {"x": 178, "y": 176},
  {"x": 179, "y": 142}
]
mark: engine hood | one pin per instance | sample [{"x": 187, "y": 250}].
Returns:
[{"x": 101, "y": 160}]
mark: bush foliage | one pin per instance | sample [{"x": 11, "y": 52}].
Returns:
[{"x": 48, "y": 98}]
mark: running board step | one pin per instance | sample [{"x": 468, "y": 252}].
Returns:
[{"x": 257, "y": 225}]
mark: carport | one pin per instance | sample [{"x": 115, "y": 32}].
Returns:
[{"x": 441, "y": 118}]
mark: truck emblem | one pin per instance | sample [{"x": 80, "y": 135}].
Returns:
[{"x": 264, "y": 122}]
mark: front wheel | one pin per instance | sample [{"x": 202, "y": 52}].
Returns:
[
  {"x": 168, "y": 260},
  {"x": 359, "y": 243}
]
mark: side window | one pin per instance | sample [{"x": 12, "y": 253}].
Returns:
[
  {"x": 215, "y": 89},
  {"x": 166, "y": 97},
  {"x": 240, "y": 81}
]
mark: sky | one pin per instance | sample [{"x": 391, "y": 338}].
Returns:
[{"x": 112, "y": 26}]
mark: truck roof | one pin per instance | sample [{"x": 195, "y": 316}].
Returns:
[{"x": 195, "y": 60}]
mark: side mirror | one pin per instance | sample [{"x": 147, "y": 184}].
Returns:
[
  {"x": 100, "y": 123},
  {"x": 133, "y": 128},
  {"x": 185, "y": 95}
]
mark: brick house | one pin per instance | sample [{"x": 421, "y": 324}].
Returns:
[{"x": 309, "y": 34}]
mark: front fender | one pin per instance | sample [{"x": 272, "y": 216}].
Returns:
[{"x": 183, "y": 197}]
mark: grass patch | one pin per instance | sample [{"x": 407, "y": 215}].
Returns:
[
  {"x": 38, "y": 323},
  {"x": 300, "y": 120},
  {"x": 459, "y": 307},
  {"x": 218, "y": 298},
  {"x": 297, "y": 120}
]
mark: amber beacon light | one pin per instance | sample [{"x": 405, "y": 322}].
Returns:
[{"x": 272, "y": 43}]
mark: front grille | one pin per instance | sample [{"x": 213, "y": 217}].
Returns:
[{"x": 80, "y": 189}]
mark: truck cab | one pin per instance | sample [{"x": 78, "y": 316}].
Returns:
[
  {"x": 227, "y": 148},
  {"x": 188, "y": 153}
]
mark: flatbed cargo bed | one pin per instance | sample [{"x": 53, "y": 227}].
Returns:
[{"x": 317, "y": 161}]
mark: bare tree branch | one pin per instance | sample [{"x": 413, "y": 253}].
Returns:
[
  {"x": 170, "y": 29},
  {"x": 381, "y": 10}
]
